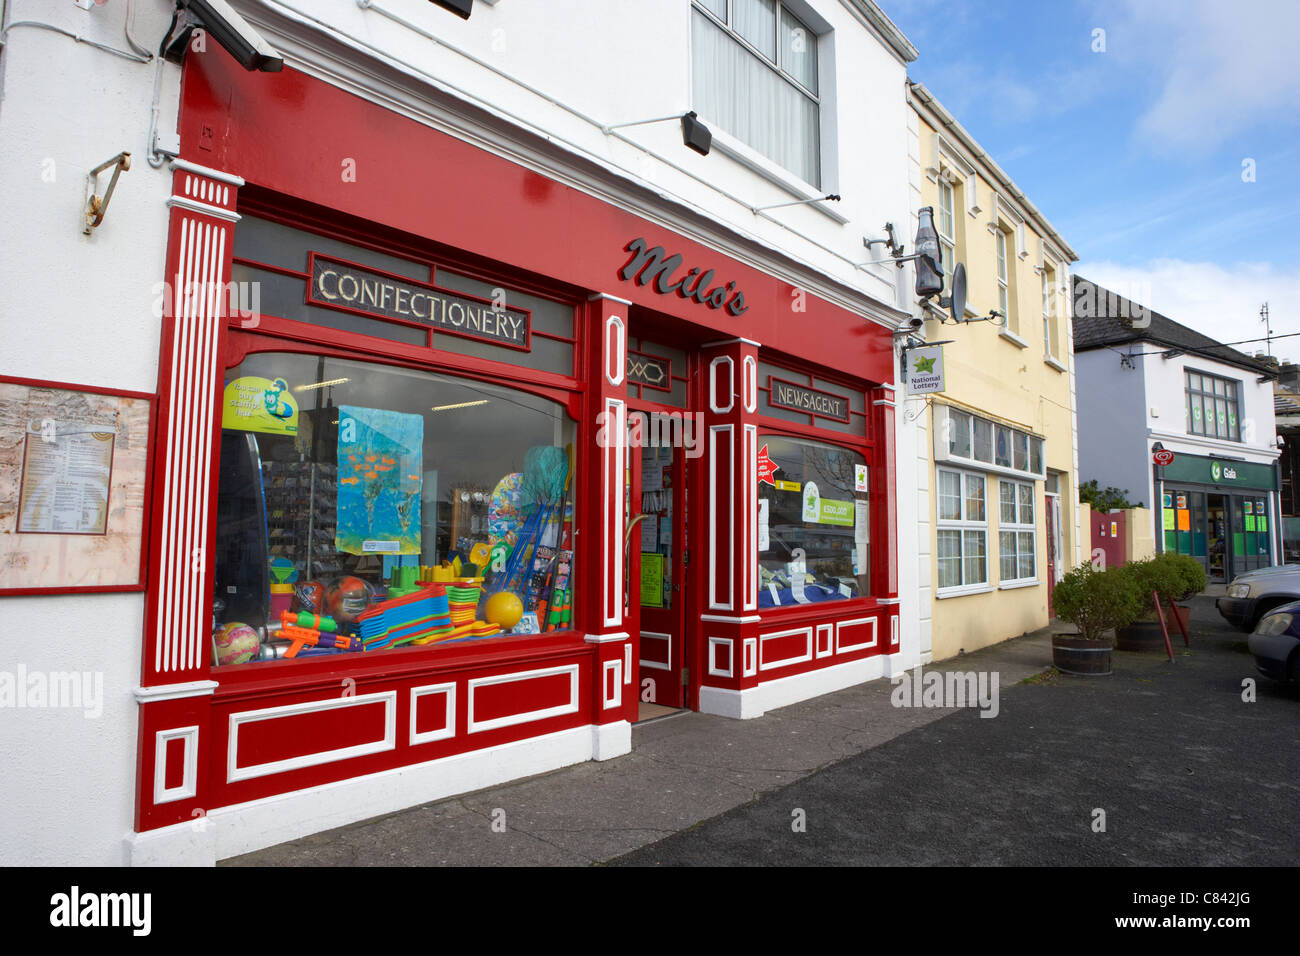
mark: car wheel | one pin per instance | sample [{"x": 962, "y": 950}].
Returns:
[{"x": 1294, "y": 670}]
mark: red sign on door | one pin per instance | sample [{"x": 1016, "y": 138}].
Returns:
[{"x": 766, "y": 467}]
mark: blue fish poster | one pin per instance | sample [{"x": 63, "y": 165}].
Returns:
[{"x": 380, "y": 457}]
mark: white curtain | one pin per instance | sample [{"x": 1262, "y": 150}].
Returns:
[{"x": 750, "y": 100}]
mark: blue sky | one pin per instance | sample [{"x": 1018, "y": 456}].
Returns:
[{"x": 1135, "y": 153}]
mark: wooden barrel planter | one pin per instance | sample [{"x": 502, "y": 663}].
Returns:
[
  {"x": 1081, "y": 657},
  {"x": 1146, "y": 635}
]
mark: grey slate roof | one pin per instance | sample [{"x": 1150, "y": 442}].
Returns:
[{"x": 1103, "y": 319}]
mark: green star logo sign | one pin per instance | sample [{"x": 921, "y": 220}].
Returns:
[{"x": 924, "y": 364}]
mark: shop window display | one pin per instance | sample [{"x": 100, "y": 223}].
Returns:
[
  {"x": 813, "y": 536},
  {"x": 362, "y": 507}
]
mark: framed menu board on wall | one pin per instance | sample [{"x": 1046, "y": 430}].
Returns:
[{"x": 73, "y": 487}]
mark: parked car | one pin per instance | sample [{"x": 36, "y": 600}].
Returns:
[
  {"x": 1275, "y": 643},
  {"x": 1253, "y": 593}
]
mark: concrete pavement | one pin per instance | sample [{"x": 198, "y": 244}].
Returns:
[{"x": 683, "y": 769}]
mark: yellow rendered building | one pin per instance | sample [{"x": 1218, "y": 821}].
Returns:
[{"x": 998, "y": 457}]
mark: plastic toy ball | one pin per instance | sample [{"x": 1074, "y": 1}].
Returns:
[
  {"x": 235, "y": 643},
  {"x": 504, "y": 610}
]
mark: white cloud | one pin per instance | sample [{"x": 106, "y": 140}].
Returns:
[
  {"x": 1221, "y": 301},
  {"x": 1219, "y": 68}
]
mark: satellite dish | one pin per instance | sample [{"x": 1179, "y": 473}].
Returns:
[{"x": 956, "y": 303}]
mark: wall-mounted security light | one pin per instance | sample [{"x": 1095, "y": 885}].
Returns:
[
  {"x": 220, "y": 21},
  {"x": 462, "y": 8},
  {"x": 695, "y": 135},
  {"x": 891, "y": 242}
]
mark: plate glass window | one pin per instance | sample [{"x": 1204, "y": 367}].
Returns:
[
  {"x": 754, "y": 74},
  {"x": 344, "y": 484},
  {"x": 818, "y": 526}
]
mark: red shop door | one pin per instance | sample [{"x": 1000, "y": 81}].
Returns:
[{"x": 657, "y": 571}]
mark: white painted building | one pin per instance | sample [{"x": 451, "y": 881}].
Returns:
[{"x": 1146, "y": 381}]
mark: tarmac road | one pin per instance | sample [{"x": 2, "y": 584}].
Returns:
[{"x": 1186, "y": 772}]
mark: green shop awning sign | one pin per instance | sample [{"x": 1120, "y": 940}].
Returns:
[{"x": 1216, "y": 471}]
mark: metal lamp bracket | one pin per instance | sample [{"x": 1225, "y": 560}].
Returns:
[{"x": 96, "y": 205}]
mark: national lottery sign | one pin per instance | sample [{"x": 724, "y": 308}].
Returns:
[{"x": 923, "y": 368}]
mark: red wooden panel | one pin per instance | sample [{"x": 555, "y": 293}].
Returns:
[
  {"x": 296, "y": 735},
  {"x": 862, "y": 633},
  {"x": 431, "y": 712},
  {"x": 492, "y": 701},
  {"x": 654, "y": 649},
  {"x": 174, "y": 763},
  {"x": 785, "y": 647},
  {"x": 722, "y": 657}
]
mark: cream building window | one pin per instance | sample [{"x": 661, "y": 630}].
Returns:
[
  {"x": 947, "y": 231},
  {"x": 1051, "y": 336},
  {"x": 962, "y": 536},
  {"x": 1005, "y": 281},
  {"x": 1017, "y": 549}
]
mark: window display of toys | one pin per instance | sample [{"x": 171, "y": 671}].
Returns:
[
  {"x": 559, "y": 613},
  {"x": 234, "y": 643},
  {"x": 405, "y": 580},
  {"x": 309, "y": 597},
  {"x": 346, "y": 599},
  {"x": 504, "y": 609},
  {"x": 312, "y": 630},
  {"x": 480, "y": 554},
  {"x": 405, "y": 619},
  {"x": 463, "y": 598}
]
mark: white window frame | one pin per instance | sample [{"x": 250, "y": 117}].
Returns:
[
  {"x": 1049, "y": 311},
  {"x": 817, "y": 97},
  {"x": 1003, "y": 271},
  {"x": 947, "y": 240},
  {"x": 946, "y": 423},
  {"x": 1018, "y": 529},
  {"x": 1230, "y": 405},
  {"x": 963, "y": 526}
]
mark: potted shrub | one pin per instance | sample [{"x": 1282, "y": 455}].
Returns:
[
  {"x": 1174, "y": 577},
  {"x": 1096, "y": 602}
]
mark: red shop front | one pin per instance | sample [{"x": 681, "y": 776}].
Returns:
[{"x": 462, "y": 471}]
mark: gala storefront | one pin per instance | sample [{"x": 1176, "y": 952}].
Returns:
[{"x": 388, "y": 349}]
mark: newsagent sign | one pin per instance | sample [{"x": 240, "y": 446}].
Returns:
[
  {"x": 349, "y": 287},
  {"x": 800, "y": 398}
]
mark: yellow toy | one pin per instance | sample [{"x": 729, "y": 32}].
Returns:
[{"x": 504, "y": 609}]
